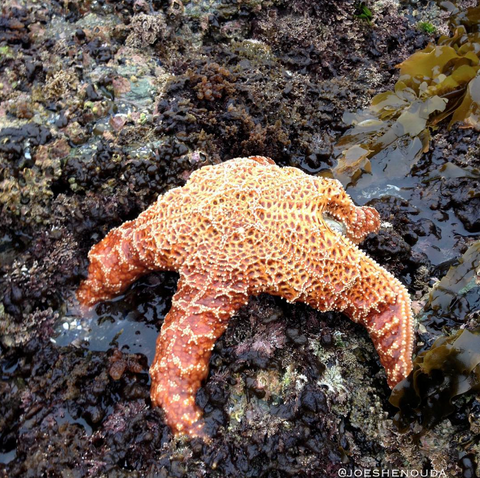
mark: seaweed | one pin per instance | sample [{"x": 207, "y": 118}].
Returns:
[
  {"x": 450, "y": 295},
  {"x": 438, "y": 82},
  {"x": 426, "y": 27},
  {"x": 363, "y": 12},
  {"x": 450, "y": 368}
]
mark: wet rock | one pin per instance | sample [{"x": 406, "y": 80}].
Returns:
[
  {"x": 201, "y": 83},
  {"x": 13, "y": 140}
]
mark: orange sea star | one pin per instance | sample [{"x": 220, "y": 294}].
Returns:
[{"x": 238, "y": 229}]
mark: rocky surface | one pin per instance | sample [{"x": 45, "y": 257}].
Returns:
[{"x": 104, "y": 105}]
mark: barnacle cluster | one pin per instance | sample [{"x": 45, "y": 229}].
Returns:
[
  {"x": 145, "y": 30},
  {"x": 440, "y": 81},
  {"x": 59, "y": 84}
]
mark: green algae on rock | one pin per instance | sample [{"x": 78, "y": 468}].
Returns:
[
  {"x": 450, "y": 368},
  {"x": 440, "y": 81}
]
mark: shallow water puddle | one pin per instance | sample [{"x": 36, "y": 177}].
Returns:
[
  {"x": 130, "y": 322},
  {"x": 386, "y": 180}
]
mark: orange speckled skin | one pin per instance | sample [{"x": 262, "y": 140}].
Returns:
[{"x": 235, "y": 230}]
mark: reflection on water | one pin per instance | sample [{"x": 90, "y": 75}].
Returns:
[
  {"x": 378, "y": 184},
  {"x": 130, "y": 322}
]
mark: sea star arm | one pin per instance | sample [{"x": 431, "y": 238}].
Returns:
[
  {"x": 376, "y": 298},
  {"x": 392, "y": 334},
  {"x": 382, "y": 304},
  {"x": 114, "y": 265},
  {"x": 123, "y": 256},
  {"x": 200, "y": 312},
  {"x": 359, "y": 221}
]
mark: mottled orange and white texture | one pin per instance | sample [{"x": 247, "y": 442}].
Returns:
[{"x": 238, "y": 229}]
